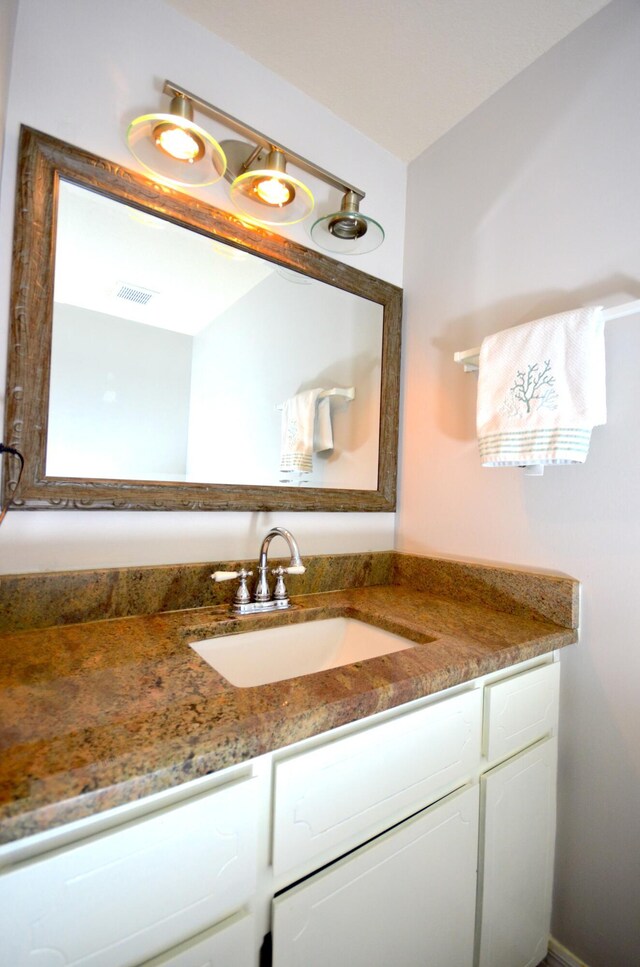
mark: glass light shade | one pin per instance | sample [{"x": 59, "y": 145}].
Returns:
[
  {"x": 229, "y": 252},
  {"x": 347, "y": 233},
  {"x": 176, "y": 149},
  {"x": 251, "y": 193},
  {"x": 296, "y": 277}
]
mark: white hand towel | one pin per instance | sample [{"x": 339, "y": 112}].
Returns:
[
  {"x": 323, "y": 432},
  {"x": 298, "y": 431},
  {"x": 541, "y": 390}
]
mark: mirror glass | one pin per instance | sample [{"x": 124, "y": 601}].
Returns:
[
  {"x": 177, "y": 357},
  {"x": 166, "y": 355}
]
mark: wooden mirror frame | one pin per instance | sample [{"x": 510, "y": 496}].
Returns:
[{"x": 43, "y": 161}]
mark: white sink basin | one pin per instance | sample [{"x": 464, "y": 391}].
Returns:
[{"x": 273, "y": 654}]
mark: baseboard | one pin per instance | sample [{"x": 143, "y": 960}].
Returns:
[{"x": 559, "y": 956}]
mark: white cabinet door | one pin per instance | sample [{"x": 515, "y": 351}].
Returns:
[
  {"x": 125, "y": 895},
  {"x": 229, "y": 944},
  {"x": 405, "y": 899},
  {"x": 516, "y": 858}
]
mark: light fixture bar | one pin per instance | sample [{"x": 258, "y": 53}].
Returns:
[{"x": 257, "y": 137}]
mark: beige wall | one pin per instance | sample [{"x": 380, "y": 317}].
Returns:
[{"x": 529, "y": 207}]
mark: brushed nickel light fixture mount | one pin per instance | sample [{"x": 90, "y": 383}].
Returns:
[{"x": 173, "y": 147}]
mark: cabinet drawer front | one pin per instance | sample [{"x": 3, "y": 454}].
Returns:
[
  {"x": 129, "y": 893},
  {"x": 332, "y": 798},
  {"x": 229, "y": 944},
  {"x": 407, "y": 897},
  {"x": 520, "y": 710}
]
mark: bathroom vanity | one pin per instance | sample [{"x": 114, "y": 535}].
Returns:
[
  {"x": 395, "y": 810},
  {"x": 395, "y": 807}
]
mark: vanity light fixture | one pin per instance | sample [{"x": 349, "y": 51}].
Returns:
[{"x": 173, "y": 147}]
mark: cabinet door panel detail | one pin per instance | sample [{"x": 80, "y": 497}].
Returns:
[
  {"x": 333, "y": 797},
  {"x": 127, "y": 894},
  {"x": 520, "y": 710},
  {"x": 406, "y": 898},
  {"x": 229, "y": 944},
  {"x": 516, "y": 858}
]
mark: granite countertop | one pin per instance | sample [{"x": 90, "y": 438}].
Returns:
[{"x": 101, "y": 713}]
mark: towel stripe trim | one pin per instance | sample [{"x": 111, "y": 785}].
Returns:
[
  {"x": 515, "y": 448},
  {"x": 527, "y": 434},
  {"x": 296, "y": 461},
  {"x": 552, "y": 442},
  {"x": 559, "y": 444},
  {"x": 551, "y": 452},
  {"x": 525, "y": 461}
]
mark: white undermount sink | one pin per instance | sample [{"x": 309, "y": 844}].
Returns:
[{"x": 274, "y": 654}]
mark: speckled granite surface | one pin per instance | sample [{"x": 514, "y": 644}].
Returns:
[
  {"x": 106, "y": 712},
  {"x": 67, "y": 597},
  {"x": 505, "y": 589}
]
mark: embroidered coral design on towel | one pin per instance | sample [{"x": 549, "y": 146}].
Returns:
[
  {"x": 533, "y": 390},
  {"x": 292, "y": 433}
]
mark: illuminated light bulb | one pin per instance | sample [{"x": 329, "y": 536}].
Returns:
[
  {"x": 174, "y": 148},
  {"x": 178, "y": 142},
  {"x": 268, "y": 195},
  {"x": 273, "y": 191}
]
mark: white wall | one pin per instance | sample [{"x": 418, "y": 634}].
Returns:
[
  {"x": 118, "y": 398},
  {"x": 287, "y": 337},
  {"x": 81, "y": 70},
  {"x": 8, "y": 16},
  {"x": 528, "y": 207}
]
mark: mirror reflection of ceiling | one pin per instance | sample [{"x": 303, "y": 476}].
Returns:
[
  {"x": 183, "y": 282},
  {"x": 352, "y": 55}
]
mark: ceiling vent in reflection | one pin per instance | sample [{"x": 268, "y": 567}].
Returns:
[{"x": 134, "y": 293}]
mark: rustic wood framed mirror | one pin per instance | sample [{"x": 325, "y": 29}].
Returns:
[{"x": 155, "y": 340}]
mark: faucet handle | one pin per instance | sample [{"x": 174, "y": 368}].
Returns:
[
  {"x": 242, "y": 595},
  {"x": 280, "y": 592},
  {"x": 225, "y": 575}
]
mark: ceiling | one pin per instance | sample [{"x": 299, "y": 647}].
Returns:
[
  {"x": 136, "y": 266},
  {"x": 403, "y": 73}
]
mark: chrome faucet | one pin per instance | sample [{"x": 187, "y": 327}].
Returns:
[
  {"x": 263, "y": 599},
  {"x": 296, "y": 566}
]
